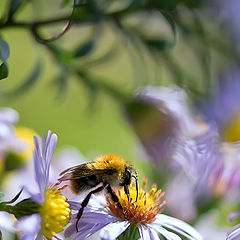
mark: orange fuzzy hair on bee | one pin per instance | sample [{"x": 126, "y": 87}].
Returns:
[{"x": 109, "y": 161}]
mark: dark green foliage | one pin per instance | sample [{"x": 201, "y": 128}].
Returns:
[
  {"x": 104, "y": 13},
  {"x": 14, "y": 5}
]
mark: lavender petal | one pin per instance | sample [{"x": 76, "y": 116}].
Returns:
[
  {"x": 113, "y": 230},
  {"x": 178, "y": 226}
]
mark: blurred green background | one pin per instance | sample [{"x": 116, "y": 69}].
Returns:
[{"x": 97, "y": 130}]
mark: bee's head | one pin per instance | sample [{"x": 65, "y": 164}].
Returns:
[{"x": 128, "y": 174}]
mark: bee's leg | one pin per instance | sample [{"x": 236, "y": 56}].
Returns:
[
  {"x": 114, "y": 196},
  {"x": 85, "y": 203},
  {"x": 126, "y": 190}
]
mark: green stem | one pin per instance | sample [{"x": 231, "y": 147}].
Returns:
[{"x": 130, "y": 233}]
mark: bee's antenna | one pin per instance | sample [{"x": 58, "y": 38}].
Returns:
[{"x": 136, "y": 187}]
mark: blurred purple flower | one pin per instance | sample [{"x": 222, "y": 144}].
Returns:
[
  {"x": 228, "y": 15},
  {"x": 224, "y": 107},
  {"x": 161, "y": 118},
  {"x": 200, "y": 159},
  {"x": 212, "y": 173},
  {"x": 145, "y": 214},
  {"x": 52, "y": 216}
]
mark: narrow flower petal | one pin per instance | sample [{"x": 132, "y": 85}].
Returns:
[
  {"x": 38, "y": 165},
  {"x": 113, "y": 230},
  {"x": 144, "y": 233},
  {"x": 93, "y": 217},
  {"x": 178, "y": 226},
  {"x": 234, "y": 234},
  {"x": 233, "y": 216},
  {"x": 153, "y": 234},
  {"x": 89, "y": 223},
  {"x": 42, "y": 157},
  {"x": 167, "y": 234},
  {"x": 51, "y": 143}
]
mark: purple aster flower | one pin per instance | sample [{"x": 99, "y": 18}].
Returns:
[
  {"x": 145, "y": 214},
  {"x": 211, "y": 172},
  {"x": 161, "y": 117},
  {"x": 54, "y": 211}
]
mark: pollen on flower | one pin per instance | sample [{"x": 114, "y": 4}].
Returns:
[
  {"x": 55, "y": 213},
  {"x": 144, "y": 210}
]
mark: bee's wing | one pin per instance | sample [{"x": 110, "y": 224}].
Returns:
[{"x": 81, "y": 171}]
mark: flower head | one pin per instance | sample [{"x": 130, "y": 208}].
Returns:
[
  {"x": 145, "y": 214},
  {"x": 54, "y": 211},
  {"x": 160, "y": 117},
  {"x": 142, "y": 211}
]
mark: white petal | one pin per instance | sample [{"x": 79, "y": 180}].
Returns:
[
  {"x": 235, "y": 234},
  {"x": 144, "y": 233},
  {"x": 153, "y": 234},
  {"x": 113, "y": 230},
  {"x": 7, "y": 221},
  {"x": 30, "y": 226},
  {"x": 167, "y": 234},
  {"x": 178, "y": 226}
]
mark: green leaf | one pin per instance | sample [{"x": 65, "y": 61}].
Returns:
[
  {"x": 61, "y": 55},
  {"x": 85, "y": 49},
  {"x": 13, "y": 7},
  {"x": 158, "y": 44},
  {"x": 1, "y": 196},
  {"x": 66, "y": 3},
  {"x": 3, "y": 71},
  {"x": 25, "y": 207},
  {"x": 172, "y": 24}
]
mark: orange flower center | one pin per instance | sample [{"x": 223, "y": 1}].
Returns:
[{"x": 144, "y": 210}]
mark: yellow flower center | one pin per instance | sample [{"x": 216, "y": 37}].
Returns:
[
  {"x": 55, "y": 213},
  {"x": 144, "y": 210}
]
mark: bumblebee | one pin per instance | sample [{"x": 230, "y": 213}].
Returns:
[{"x": 107, "y": 171}]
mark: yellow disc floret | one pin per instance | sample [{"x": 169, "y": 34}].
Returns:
[
  {"x": 144, "y": 210},
  {"x": 55, "y": 213}
]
